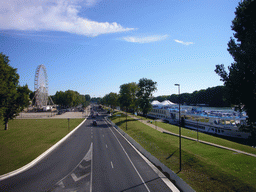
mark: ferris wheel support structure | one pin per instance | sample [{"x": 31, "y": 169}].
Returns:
[{"x": 41, "y": 87}]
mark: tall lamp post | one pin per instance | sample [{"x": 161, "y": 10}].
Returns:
[{"x": 179, "y": 124}]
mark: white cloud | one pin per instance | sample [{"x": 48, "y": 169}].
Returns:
[
  {"x": 53, "y": 15},
  {"x": 182, "y": 42},
  {"x": 91, "y": 3},
  {"x": 147, "y": 39}
]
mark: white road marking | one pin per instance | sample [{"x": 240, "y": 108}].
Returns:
[
  {"x": 39, "y": 158},
  {"x": 91, "y": 168},
  {"x": 160, "y": 174},
  {"x": 106, "y": 146},
  {"x": 61, "y": 184},
  {"x": 87, "y": 157},
  {"x": 112, "y": 165},
  {"x": 82, "y": 167},
  {"x": 131, "y": 162},
  {"x": 75, "y": 178}
]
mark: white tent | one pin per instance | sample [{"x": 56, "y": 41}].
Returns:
[
  {"x": 167, "y": 103},
  {"x": 155, "y": 102}
]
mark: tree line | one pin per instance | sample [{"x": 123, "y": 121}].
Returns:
[
  {"x": 212, "y": 97},
  {"x": 70, "y": 98},
  {"x": 239, "y": 81},
  {"x": 15, "y": 98},
  {"x": 132, "y": 97}
]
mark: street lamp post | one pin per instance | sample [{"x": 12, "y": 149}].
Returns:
[{"x": 179, "y": 124}]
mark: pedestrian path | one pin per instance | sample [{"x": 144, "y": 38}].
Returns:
[{"x": 190, "y": 138}]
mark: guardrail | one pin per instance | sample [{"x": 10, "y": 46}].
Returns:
[{"x": 175, "y": 179}]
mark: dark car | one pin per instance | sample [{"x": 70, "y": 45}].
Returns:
[{"x": 94, "y": 123}]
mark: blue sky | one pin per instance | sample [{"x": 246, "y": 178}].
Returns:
[{"x": 94, "y": 46}]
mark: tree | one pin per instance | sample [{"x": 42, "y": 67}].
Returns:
[
  {"x": 240, "y": 79},
  {"x": 125, "y": 96},
  {"x": 146, "y": 89},
  {"x": 70, "y": 98},
  {"x": 87, "y": 97},
  {"x": 134, "y": 99},
  {"x": 13, "y": 97},
  {"x": 111, "y": 99}
]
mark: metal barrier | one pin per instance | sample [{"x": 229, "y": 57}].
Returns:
[{"x": 175, "y": 179}]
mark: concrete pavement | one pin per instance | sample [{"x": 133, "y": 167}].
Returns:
[{"x": 92, "y": 158}]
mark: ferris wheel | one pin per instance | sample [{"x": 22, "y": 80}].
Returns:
[{"x": 41, "y": 87}]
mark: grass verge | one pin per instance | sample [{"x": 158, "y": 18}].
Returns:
[
  {"x": 26, "y": 139},
  {"x": 204, "y": 168},
  {"x": 202, "y": 136},
  {"x": 206, "y": 137}
]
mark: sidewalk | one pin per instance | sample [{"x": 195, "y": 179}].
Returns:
[{"x": 185, "y": 137}]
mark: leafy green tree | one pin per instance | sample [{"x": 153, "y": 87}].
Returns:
[
  {"x": 70, "y": 98},
  {"x": 240, "y": 79},
  {"x": 125, "y": 96},
  {"x": 113, "y": 100},
  {"x": 134, "y": 99},
  {"x": 146, "y": 89},
  {"x": 87, "y": 97},
  {"x": 13, "y": 97}
]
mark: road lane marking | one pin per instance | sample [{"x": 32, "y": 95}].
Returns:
[
  {"x": 40, "y": 157},
  {"x": 88, "y": 157},
  {"x": 91, "y": 168},
  {"x": 75, "y": 178},
  {"x": 112, "y": 165},
  {"x": 160, "y": 174},
  {"x": 82, "y": 167},
  {"x": 61, "y": 184},
  {"x": 131, "y": 162},
  {"x": 106, "y": 146}
]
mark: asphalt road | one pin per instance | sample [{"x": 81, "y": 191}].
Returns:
[{"x": 93, "y": 158}]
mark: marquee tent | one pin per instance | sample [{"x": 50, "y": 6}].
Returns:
[{"x": 167, "y": 103}]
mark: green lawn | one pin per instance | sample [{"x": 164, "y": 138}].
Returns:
[
  {"x": 206, "y": 137},
  {"x": 204, "y": 168},
  {"x": 202, "y": 136},
  {"x": 26, "y": 139}
]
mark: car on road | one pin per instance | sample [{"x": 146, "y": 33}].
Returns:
[{"x": 94, "y": 122}]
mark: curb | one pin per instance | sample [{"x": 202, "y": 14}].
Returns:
[
  {"x": 39, "y": 158},
  {"x": 182, "y": 185}
]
